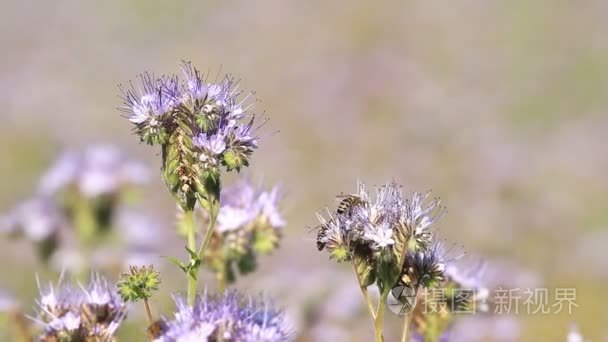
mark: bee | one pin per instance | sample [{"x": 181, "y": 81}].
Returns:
[
  {"x": 156, "y": 329},
  {"x": 321, "y": 233},
  {"x": 96, "y": 313},
  {"x": 347, "y": 203}
]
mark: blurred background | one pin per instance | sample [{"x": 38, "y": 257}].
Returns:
[{"x": 499, "y": 107}]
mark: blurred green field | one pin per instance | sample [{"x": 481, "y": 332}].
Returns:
[{"x": 499, "y": 107}]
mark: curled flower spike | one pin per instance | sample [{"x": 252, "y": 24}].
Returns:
[
  {"x": 150, "y": 107},
  {"x": 200, "y": 126},
  {"x": 231, "y": 317},
  {"x": 425, "y": 268},
  {"x": 418, "y": 218},
  {"x": 67, "y": 313}
]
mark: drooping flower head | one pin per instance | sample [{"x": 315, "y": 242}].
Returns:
[
  {"x": 231, "y": 317},
  {"x": 92, "y": 311}
]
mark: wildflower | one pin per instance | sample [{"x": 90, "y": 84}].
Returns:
[
  {"x": 425, "y": 268},
  {"x": 40, "y": 221},
  {"x": 150, "y": 107},
  {"x": 249, "y": 222},
  {"x": 231, "y": 317},
  {"x": 574, "y": 335},
  {"x": 68, "y": 313},
  {"x": 381, "y": 236},
  {"x": 8, "y": 302},
  {"x": 198, "y": 124},
  {"x": 469, "y": 278},
  {"x": 100, "y": 170},
  {"x": 418, "y": 219},
  {"x": 138, "y": 284},
  {"x": 378, "y": 231}
]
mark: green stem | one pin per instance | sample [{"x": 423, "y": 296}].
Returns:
[
  {"x": 148, "y": 311},
  {"x": 188, "y": 224},
  {"x": 84, "y": 220},
  {"x": 213, "y": 211},
  {"x": 368, "y": 301},
  {"x": 221, "y": 280},
  {"x": 22, "y": 330},
  {"x": 379, "y": 322},
  {"x": 408, "y": 318},
  {"x": 406, "y": 326}
]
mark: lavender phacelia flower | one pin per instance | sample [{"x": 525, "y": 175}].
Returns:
[
  {"x": 469, "y": 280},
  {"x": 231, "y": 317},
  {"x": 97, "y": 171},
  {"x": 424, "y": 269},
  {"x": 200, "y": 126},
  {"x": 249, "y": 222},
  {"x": 362, "y": 226},
  {"x": 91, "y": 312},
  {"x": 38, "y": 220}
]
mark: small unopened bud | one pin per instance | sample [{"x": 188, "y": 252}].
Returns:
[{"x": 138, "y": 284}]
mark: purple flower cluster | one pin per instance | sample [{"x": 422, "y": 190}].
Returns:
[
  {"x": 39, "y": 220},
  {"x": 96, "y": 171},
  {"x": 67, "y": 313},
  {"x": 363, "y": 225},
  {"x": 249, "y": 223},
  {"x": 212, "y": 115},
  {"x": 231, "y": 317},
  {"x": 243, "y": 204}
]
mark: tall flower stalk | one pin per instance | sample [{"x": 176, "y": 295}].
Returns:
[
  {"x": 200, "y": 127},
  {"x": 389, "y": 242}
]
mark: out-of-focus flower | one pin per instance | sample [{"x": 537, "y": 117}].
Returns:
[
  {"x": 96, "y": 171},
  {"x": 249, "y": 222},
  {"x": 39, "y": 220},
  {"x": 8, "y": 302},
  {"x": 574, "y": 335},
  {"x": 70, "y": 260},
  {"x": 67, "y": 313},
  {"x": 470, "y": 278},
  {"x": 231, "y": 317}
]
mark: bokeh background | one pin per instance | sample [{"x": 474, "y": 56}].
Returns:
[{"x": 499, "y": 107}]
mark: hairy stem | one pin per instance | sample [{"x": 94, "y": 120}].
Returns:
[
  {"x": 379, "y": 322},
  {"x": 188, "y": 224},
  {"x": 221, "y": 280},
  {"x": 148, "y": 311},
  {"x": 406, "y": 326},
  {"x": 21, "y": 327},
  {"x": 408, "y": 317},
  {"x": 363, "y": 288},
  {"x": 84, "y": 220},
  {"x": 213, "y": 211}
]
